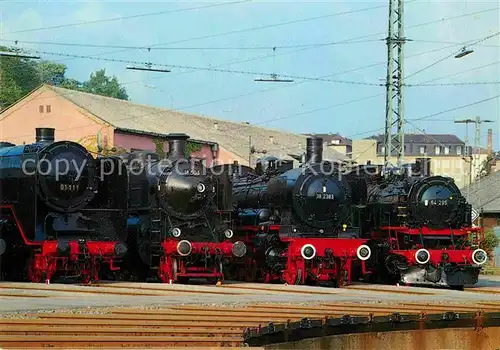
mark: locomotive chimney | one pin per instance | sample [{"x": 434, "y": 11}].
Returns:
[
  {"x": 423, "y": 166},
  {"x": 45, "y": 135},
  {"x": 314, "y": 150},
  {"x": 177, "y": 145}
]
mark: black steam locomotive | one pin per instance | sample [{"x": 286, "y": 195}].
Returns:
[
  {"x": 423, "y": 227},
  {"x": 58, "y": 216},
  {"x": 178, "y": 222},
  {"x": 297, "y": 221}
]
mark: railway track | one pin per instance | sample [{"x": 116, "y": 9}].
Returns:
[
  {"x": 187, "y": 325},
  {"x": 227, "y": 311}
]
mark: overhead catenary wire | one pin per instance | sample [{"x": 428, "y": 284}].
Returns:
[
  {"x": 251, "y": 29},
  {"x": 211, "y": 69},
  {"x": 302, "y": 49},
  {"x": 432, "y": 114},
  {"x": 121, "y": 18},
  {"x": 468, "y": 43},
  {"x": 450, "y": 42},
  {"x": 336, "y": 73},
  {"x": 288, "y": 85},
  {"x": 192, "y": 48},
  {"x": 242, "y": 72},
  {"x": 458, "y": 73}
]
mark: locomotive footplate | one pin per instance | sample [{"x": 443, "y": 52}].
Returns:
[
  {"x": 183, "y": 260},
  {"x": 318, "y": 260},
  {"x": 73, "y": 259},
  {"x": 444, "y": 276}
]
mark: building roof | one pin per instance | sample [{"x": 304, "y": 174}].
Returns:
[
  {"x": 232, "y": 136},
  {"x": 425, "y": 138},
  {"x": 485, "y": 194}
]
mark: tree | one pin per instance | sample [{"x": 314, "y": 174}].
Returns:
[
  {"x": 491, "y": 241},
  {"x": 19, "y": 76},
  {"x": 51, "y": 73},
  {"x": 487, "y": 165},
  {"x": 101, "y": 84}
]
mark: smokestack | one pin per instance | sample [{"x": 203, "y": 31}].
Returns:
[
  {"x": 177, "y": 145},
  {"x": 45, "y": 135},
  {"x": 490, "y": 142},
  {"x": 423, "y": 166},
  {"x": 314, "y": 150}
]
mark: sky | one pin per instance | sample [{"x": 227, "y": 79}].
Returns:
[{"x": 352, "y": 105}]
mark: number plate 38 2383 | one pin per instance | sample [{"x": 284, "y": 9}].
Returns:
[{"x": 326, "y": 196}]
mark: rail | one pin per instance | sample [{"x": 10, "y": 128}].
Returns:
[
  {"x": 231, "y": 325},
  {"x": 315, "y": 328}
]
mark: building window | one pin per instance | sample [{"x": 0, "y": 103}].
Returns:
[
  {"x": 382, "y": 149},
  {"x": 437, "y": 150},
  {"x": 48, "y": 108},
  {"x": 446, "y": 150},
  {"x": 422, "y": 150},
  {"x": 335, "y": 142},
  {"x": 459, "y": 150},
  {"x": 40, "y": 109}
]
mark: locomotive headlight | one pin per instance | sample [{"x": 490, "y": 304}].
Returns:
[
  {"x": 363, "y": 252},
  {"x": 228, "y": 233},
  {"x": 176, "y": 232},
  {"x": 184, "y": 248},
  {"x": 239, "y": 249},
  {"x": 120, "y": 250},
  {"x": 3, "y": 246},
  {"x": 422, "y": 256},
  {"x": 308, "y": 251},
  {"x": 201, "y": 187},
  {"x": 479, "y": 257}
]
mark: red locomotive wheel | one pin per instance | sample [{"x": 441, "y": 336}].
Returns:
[
  {"x": 34, "y": 275},
  {"x": 86, "y": 279},
  {"x": 293, "y": 276}
]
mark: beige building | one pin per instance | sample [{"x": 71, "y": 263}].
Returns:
[{"x": 448, "y": 154}]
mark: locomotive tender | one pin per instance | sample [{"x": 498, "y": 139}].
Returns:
[
  {"x": 58, "y": 216},
  {"x": 423, "y": 227},
  {"x": 297, "y": 222},
  {"x": 177, "y": 223}
]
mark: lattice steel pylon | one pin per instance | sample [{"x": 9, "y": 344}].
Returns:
[{"x": 394, "y": 105}]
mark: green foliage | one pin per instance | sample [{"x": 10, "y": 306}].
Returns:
[
  {"x": 159, "y": 147},
  {"x": 486, "y": 166},
  {"x": 19, "y": 76},
  {"x": 101, "y": 84},
  {"x": 491, "y": 241},
  {"x": 192, "y": 147},
  {"x": 113, "y": 151}
]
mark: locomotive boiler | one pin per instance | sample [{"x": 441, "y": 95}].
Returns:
[
  {"x": 424, "y": 229},
  {"x": 58, "y": 216},
  {"x": 298, "y": 220},
  {"x": 176, "y": 222}
]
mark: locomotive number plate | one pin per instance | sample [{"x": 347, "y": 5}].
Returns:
[
  {"x": 326, "y": 196},
  {"x": 69, "y": 187},
  {"x": 437, "y": 202}
]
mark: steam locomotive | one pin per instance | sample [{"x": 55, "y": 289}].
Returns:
[
  {"x": 422, "y": 225},
  {"x": 58, "y": 217},
  {"x": 179, "y": 219},
  {"x": 297, "y": 222}
]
